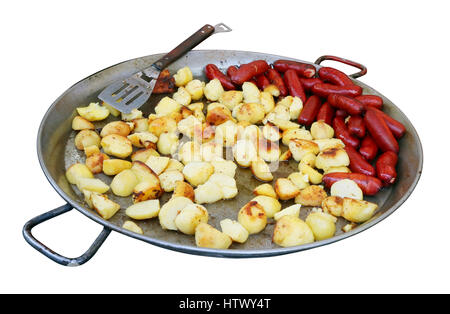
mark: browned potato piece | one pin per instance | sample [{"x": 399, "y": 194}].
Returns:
[
  {"x": 332, "y": 157},
  {"x": 140, "y": 125},
  {"x": 95, "y": 162},
  {"x": 207, "y": 236},
  {"x": 252, "y": 217},
  {"x": 265, "y": 189},
  {"x": 117, "y": 145},
  {"x": 146, "y": 190},
  {"x": 251, "y": 112},
  {"x": 285, "y": 189},
  {"x": 143, "y": 172},
  {"x": 184, "y": 189},
  {"x": 112, "y": 167},
  {"x": 271, "y": 132},
  {"x": 333, "y": 205},
  {"x": 292, "y": 231},
  {"x": 143, "y": 139},
  {"x": 104, "y": 206},
  {"x": 358, "y": 210},
  {"x": 91, "y": 150},
  {"x": 268, "y": 151},
  {"x": 116, "y": 127},
  {"x": 313, "y": 195},
  {"x": 80, "y": 123},
  {"x": 218, "y": 115},
  {"x": 86, "y": 138},
  {"x": 143, "y": 154},
  {"x": 286, "y": 155},
  {"x": 162, "y": 125},
  {"x": 300, "y": 148},
  {"x": 261, "y": 170}
]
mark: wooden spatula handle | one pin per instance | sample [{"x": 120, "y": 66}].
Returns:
[{"x": 185, "y": 46}]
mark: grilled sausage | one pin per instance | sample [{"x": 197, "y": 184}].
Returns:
[
  {"x": 249, "y": 70},
  {"x": 350, "y": 105},
  {"x": 308, "y": 83},
  {"x": 379, "y": 131},
  {"x": 293, "y": 85},
  {"x": 397, "y": 128},
  {"x": 371, "y": 101},
  {"x": 326, "y": 113},
  {"x": 276, "y": 79},
  {"x": 368, "y": 184},
  {"x": 262, "y": 81},
  {"x": 303, "y": 69},
  {"x": 358, "y": 163},
  {"x": 368, "y": 148},
  {"x": 310, "y": 110},
  {"x": 334, "y": 76},
  {"x": 356, "y": 126},
  {"x": 325, "y": 89},
  {"x": 386, "y": 167},
  {"x": 213, "y": 72},
  {"x": 341, "y": 132}
]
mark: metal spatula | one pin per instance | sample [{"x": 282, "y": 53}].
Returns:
[{"x": 132, "y": 92}]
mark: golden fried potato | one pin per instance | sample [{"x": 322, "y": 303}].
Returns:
[
  {"x": 187, "y": 126},
  {"x": 234, "y": 230},
  {"x": 266, "y": 100},
  {"x": 93, "y": 185},
  {"x": 309, "y": 159},
  {"x": 314, "y": 176},
  {"x": 169, "y": 179},
  {"x": 321, "y": 130},
  {"x": 93, "y": 112},
  {"x": 104, "y": 206},
  {"x": 295, "y": 108},
  {"x": 117, "y": 146},
  {"x": 112, "y": 167},
  {"x": 252, "y": 217},
  {"x": 183, "y": 76},
  {"x": 190, "y": 152},
  {"x": 211, "y": 151},
  {"x": 132, "y": 226},
  {"x": 182, "y": 96},
  {"x": 162, "y": 125},
  {"x": 111, "y": 109},
  {"x": 167, "y": 106},
  {"x": 218, "y": 115},
  {"x": 195, "y": 89},
  {"x": 323, "y": 225},
  {"x": 270, "y": 205},
  {"x": 332, "y": 157},
  {"x": 124, "y": 183},
  {"x": 143, "y": 172},
  {"x": 300, "y": 148},
  {"x": 226, "y": 133},
  {"x": 271, "y": 132},
  {"x": 77, "y": 171},
  {"x": 157, "y": 164},
  {"x": 329, "y": 143},
  {"x": 213, "y": 90},
  {"x": 286, "y": 155},
  {"x": 140, "y": 125},
  {"x": 333, "y": 205},
  {"x": 313, "y": 195},
  {"x": 80, "y": 123},
  {"x": 226, "y": 183},
  {"x": 143, "y": 210},
  {"x": 116, "y": 127},
  {"x": 293, "y": 210},
  {"x": 147, "y": 190},
  {"x": 184, "y": 189},
  {"x": 285, "y": 189},
  {"x": 292, "y": 231},
  {"x": 283, "y": 124},
  {"x": 244, "y": 153},
  {"x": 273, "y": 90},
  {"x": 208, "y": 193},
  {"x": 268, "y": 151},
  {"x": 346, "y": 188},
  {"x": 251, "y": 93},
  {"x": 169, "y": 211},
  {"x": 300, "y": 134},
  {"x": 168, "y": 143},
  {"x": 190, "y": 217},
  {"x": 226, "y": 167},
  {"x": 142, "y": 139},
  {"x": 261, "y": 170},
  {"x": 265, "y": 189},
  {"x": 143, "y": 154},
  {"x": 358, "y": 210},
  {"x": 336, "y": 169},
  {"x": 209, "y": 237},
  {"x": 299, "y": 179},
  {"x": 86, "y": 138},
  {"x": 134, "y": 114},
  {"x": 231, "y": 98},
  {"x": 250, "y": 112},
  {"x": 197, "y": 172},
  {"x": 174, "y": 165}
]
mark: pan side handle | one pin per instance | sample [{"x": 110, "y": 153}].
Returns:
[
  {"x": 362, "y": 68},
  {"x": 62, "y": 260}
]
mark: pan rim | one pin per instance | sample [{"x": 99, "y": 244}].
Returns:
[{"x": 232, "y": 253}]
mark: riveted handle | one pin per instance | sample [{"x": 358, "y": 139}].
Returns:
[
  {"x": 42, "y": 248},
  {"x": 363, "y": 69}
]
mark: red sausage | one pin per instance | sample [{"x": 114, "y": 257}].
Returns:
[
  {"x": 369, "y": 185},
  {"x": 371, "y": 101},
  {"x": 341, "y": 113},
  {"x": 231, "y": 70},
  {"x": 358, "y": 163},
  {"x": 368, "y": 148},
  {"x": 303, "y": 69},
  {"x": 262, "y": 81},
  {"x": 397, "y": 129},
  {"x": 249, "y": 70},
  {"x": 348, "y": 104},
  {"x": 293, "y": 84},
  {"x": 276, "y": 79},
  {"x": 326, "y": 113},
  {"x": 310, "y": 110},
  {"x": 379, "y": 131},
  {"x": 213, "y": 72},
  {"x": 386, "y": 167},
  {"x": 356, "y": 126},
  {"x": 325, "y": 89},
  {"x": 308, "y": 83},
  {"x": 334, "y": 76},
  {"x": 342, "y": 133}
]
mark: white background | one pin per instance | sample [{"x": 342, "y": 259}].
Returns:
[{"x": 49, "y": 45}]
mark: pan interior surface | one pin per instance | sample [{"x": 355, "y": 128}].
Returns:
[{"x": 57, "y": 152}]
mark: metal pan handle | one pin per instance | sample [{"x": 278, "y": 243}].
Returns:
[
  {"x": 62, "y": 260},
  {"x": 363, "y": 69}
]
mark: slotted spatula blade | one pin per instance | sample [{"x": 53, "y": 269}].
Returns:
[{"x": 134, "y": 91}]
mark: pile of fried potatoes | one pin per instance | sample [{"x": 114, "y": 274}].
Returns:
[{"x": 146, "y": 158}]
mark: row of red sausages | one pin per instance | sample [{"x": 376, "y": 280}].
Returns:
[{"x": 367, "y": 127}]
